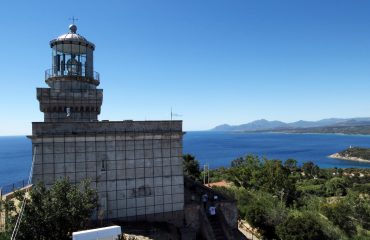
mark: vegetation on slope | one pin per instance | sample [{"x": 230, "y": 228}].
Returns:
[
  {"x": 287, "y": 201},
  {"x": 53, "y": 213},
  {"x": 357, "y": 152},
  {"x": 364, "y": 130}
]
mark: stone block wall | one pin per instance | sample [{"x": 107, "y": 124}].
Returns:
[
  {"x": 136, "y": 167},
  {"x": 84, "y": 104}
]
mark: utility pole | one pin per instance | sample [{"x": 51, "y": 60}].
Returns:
[{"x": 206, "y": 174}]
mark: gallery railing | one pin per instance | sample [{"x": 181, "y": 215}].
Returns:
[{"x": 50, "y": 73}]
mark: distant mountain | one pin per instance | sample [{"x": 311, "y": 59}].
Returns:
[
  {"x": 257, "y": 125},
  {"x": 354, "y": 122},
  {"x": 320, "y": 123},
  {"x": 223, "y": 127},
  {"x": 261, "y": 124},
  {"x": 265, "y": 125}
]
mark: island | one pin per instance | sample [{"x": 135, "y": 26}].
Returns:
[{"x": 354, "y": 154}]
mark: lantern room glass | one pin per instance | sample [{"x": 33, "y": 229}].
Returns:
[{"x": 72, "y": 59}]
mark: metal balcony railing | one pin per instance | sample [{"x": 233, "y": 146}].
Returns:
[{"x": 50, "y": 73}]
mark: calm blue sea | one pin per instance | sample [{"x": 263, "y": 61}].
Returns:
[
  {"x": 15, "y": 159},
  {"x": 215, "y": 148},
  {"x": 219, "y": 148}
]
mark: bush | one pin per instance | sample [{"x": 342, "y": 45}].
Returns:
[
  {"x": 56, "y": 212},
  {"x": 336, "y": 187},
  {"x": 361, "y": 188},
  {"x": 265, "y": 212},
  {"x": 340, "y": 214},
  {"x": 301, "y": 227}
]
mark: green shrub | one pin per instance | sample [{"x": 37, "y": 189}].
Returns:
[{"x": 301, "y": 227}]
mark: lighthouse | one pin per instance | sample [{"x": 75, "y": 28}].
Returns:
[
  {"x": 135, "y": 166},
  {"x": 73, "y": 95}
]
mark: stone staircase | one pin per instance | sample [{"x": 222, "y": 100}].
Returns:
[{"x": 217, "y": 228}]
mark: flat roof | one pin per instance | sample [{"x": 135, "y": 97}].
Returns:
[{"x": 98, "y": 233}]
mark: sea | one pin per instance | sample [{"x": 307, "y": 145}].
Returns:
[{"x": 217, "y": 149}]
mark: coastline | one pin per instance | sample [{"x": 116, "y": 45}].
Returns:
[
  {"x": 338, "y": 156},
  {"x": 312, "y": 133}
]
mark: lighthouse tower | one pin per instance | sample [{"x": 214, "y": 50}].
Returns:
[
  {"x": 72, "y": 96},
  {"x": 135, "y": 166}
]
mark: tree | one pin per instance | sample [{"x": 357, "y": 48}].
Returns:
[
  {"x": 245, "y": 170},
  {"x": 191, "y": 167},
  {"x": 301, "y": 227},
  {"x": 266, "y": 175},
  {"x": 310, "y": 169},
  {"x": 340, "y": 172},
  {"x": 335, "y": 187},
  {"x": 291, "y": 164},
  {"x": 56, "y": 212},
  {"x": 265, "y": 212},
  {"x": 274, "y": 178}
]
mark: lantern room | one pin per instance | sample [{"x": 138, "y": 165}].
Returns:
[{"x": 72, "y": 58}]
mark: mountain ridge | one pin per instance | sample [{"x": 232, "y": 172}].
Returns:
[{"x": 266, "y": 125}]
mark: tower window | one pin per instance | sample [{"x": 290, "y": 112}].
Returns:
[
  {"x": 68, "y": 111},
  {"x": 103, "y": 165}
]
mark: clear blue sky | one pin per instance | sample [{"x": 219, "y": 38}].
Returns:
[{"x": 213, "y": 61}]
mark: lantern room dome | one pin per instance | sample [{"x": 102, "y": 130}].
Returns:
[{"x": 72, "y": 37}]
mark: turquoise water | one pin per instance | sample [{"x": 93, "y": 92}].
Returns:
[{"x": 215, "y": 148}]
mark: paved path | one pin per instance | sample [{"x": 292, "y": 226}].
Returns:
[{"x": 245, "y": 228}]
